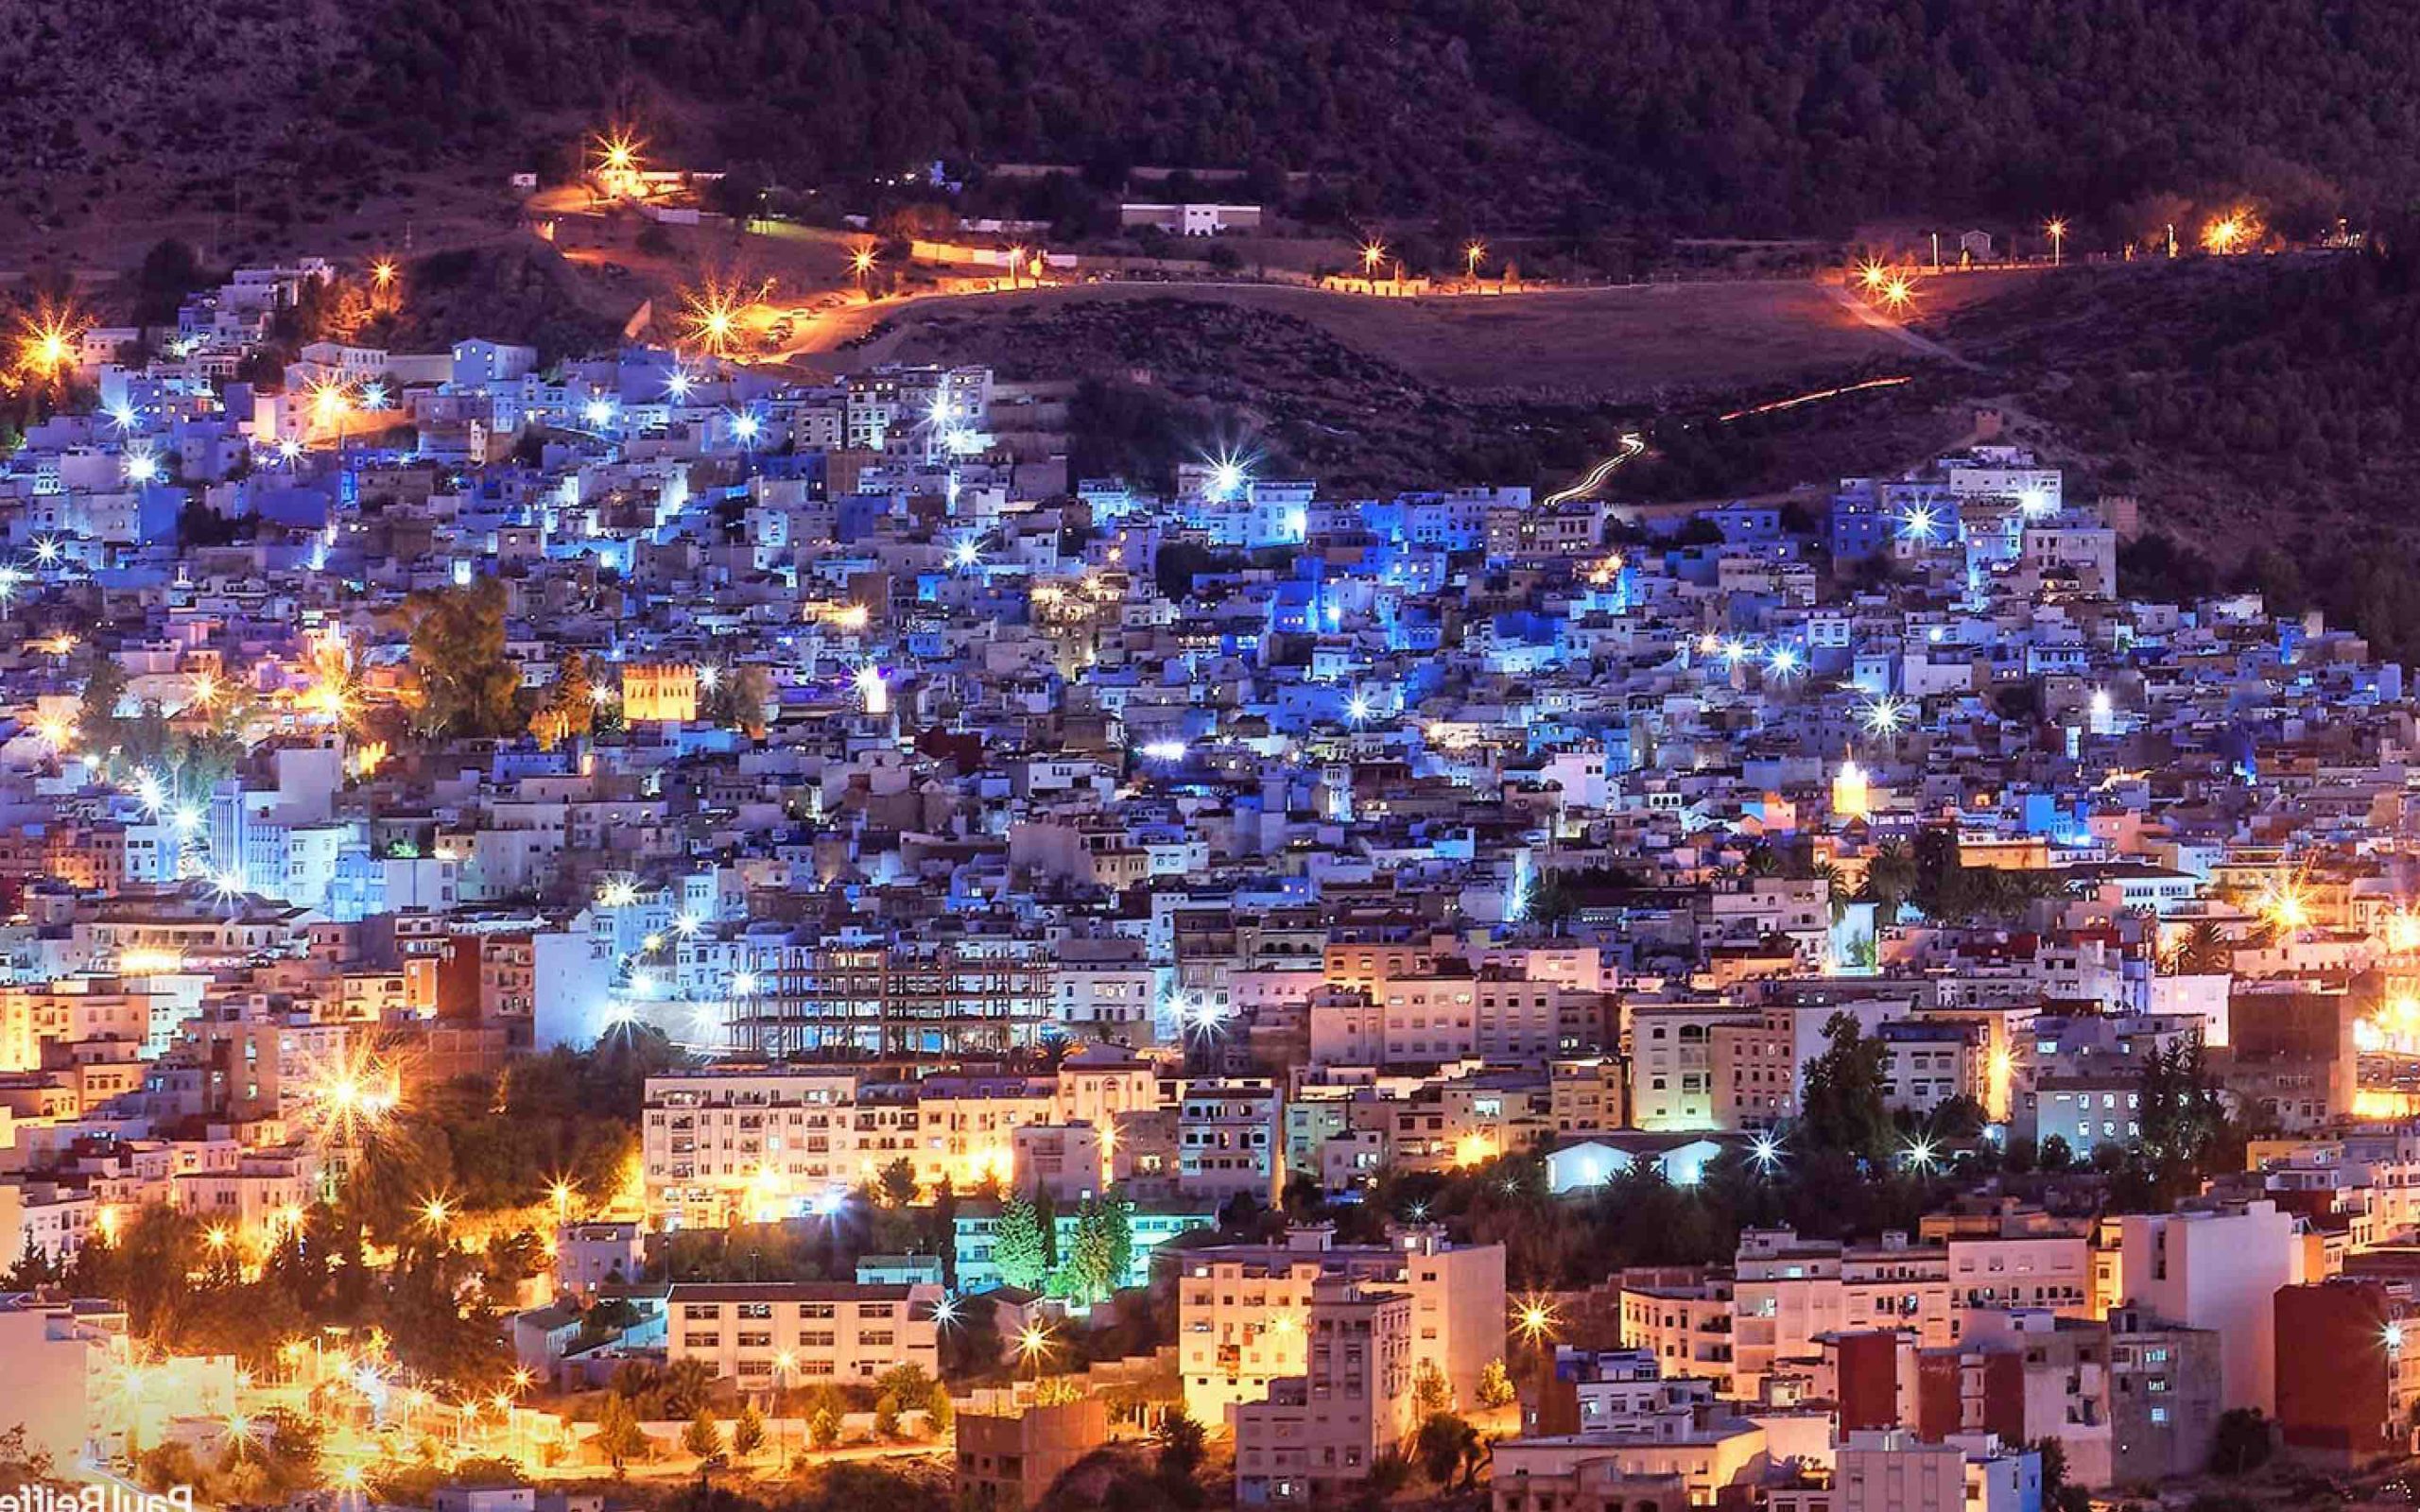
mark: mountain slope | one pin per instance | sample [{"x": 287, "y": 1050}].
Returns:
[{"x": 1744, "y": 115}]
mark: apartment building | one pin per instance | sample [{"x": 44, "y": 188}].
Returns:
[
  {"x": 1754, "y": 1078},
  {"x": 2219, "y": 1269},
  {"x": 754, "y": 1144},
  {"x": 1702, "y": 1466},
  {"x": 1892, "y": 1471},
  {"x": 1100, "y": 1081},
  {"x": 1228, "y": 1141},
  {"x": 1672, "y": 1066},
  {"x": 965, "y": 1125},
  {"x": 1009, "y": 1462},
  {"x": 593, "y": 1254},
  {"x": 770, "y": 1334},
  {"x": 1788, "y": 1292},
  {"x": 1241, "y": 1309},
  {"x": 1588, "y": 1095},
  {"x": 2011, "y": 1268},
  {"x": 1314, "y": 1435},
  {"x": 2347, "y": 1378},
  {"x": 1927, "y": 1063},
  {"x": 1686, "y": 1325}
]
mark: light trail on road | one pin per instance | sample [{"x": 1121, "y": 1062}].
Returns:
[
  {"x": 1633, "y": 444},
  {"x": 1796, "y": 400}
]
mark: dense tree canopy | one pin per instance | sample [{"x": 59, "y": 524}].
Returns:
[
  {"x": 1760, "y": 114},
  {"x": 465, "y": 684}
]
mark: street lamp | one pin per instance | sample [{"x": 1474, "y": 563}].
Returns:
[
  {"x": 2058, "y": 230},
  {"x": 1033, "y": 1346},
  {"x": 1534, "y": 1319},
  {"x": 783, "y": 1364},
  {"x": 1766, "y": 1152},
  {"x": 1471, "y": 255}
]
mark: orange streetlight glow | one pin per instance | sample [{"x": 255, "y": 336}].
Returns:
[
  {"x": 2286, "y": 906},
  {"x": 381, "y": 272},
  {"x": 1372, "y": 254},
  {"x": 49, "y": 341},
  {"x": 1471, "y": 256},
  {"x": 1534, "y": 1318},
  {"x": 2232, "y": 233},
  {"x": 329, "y": 402},
  {"x": 619, "y": 152},
  {"x": 710, "y": 317}
]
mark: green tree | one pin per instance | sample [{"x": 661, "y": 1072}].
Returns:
[
  {"x": 703, "y": 1436},
  {"x": 746, "y": 1432},
  {"x": 898, "y": 1182},
  {"x": 97, "y": 712},
  {"x": 1019, "y": 1248},
  {"x": 1552, "y": 903},
  {"x": 1494, "y": 1386},
  {"x": 1118, "y": 1218},
  {"x": 2058, "y": 1493},
  {"x": 886, "y": 1416},
  {"x": 688, "y": 1384},
  {"x": 2182, "y": 1117},
  {"x": 569, "y": 707},
  {"x": 619, "y": 1438},
  {"x": 1432, "y": 1393},
  {"x": 2243, "y": 1443},
  {"x": 1100, "y": 1249},
  {"x": 170, "y": 271},
  {"x": 1057, "y": 1391},
  {"x": 2203, "y": 952},
  {"x": 823, "y": 1427},
  {"x": 34, "y": 1268},
  {"x": 1182, "y": 1445},
  {"x": 290, "y": 1444},
  {"x": 908, "y": 1384},
  {"x": 1889, "y": 878},
  {"x": 738, "y": 698},
  {"x": 466, "y": 685},
  {"x": 1842, "y": 1105},
  {"x": 1448, "y": 1450}
]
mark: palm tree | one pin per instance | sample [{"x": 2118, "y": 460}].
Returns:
[
  {"x": 2202, "y": 951},
  {"x": 1835, "y": 891},
  {"x": 1890, "y": 877}
]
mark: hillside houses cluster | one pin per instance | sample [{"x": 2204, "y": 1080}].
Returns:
[{"x": 1204, "y": 845}]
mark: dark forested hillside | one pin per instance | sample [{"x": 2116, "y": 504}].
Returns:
[
  {"x": 2264, "y": 410},
  {"x": 1747, "y": 115},
  {"x": 1751, "y": 115}
]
